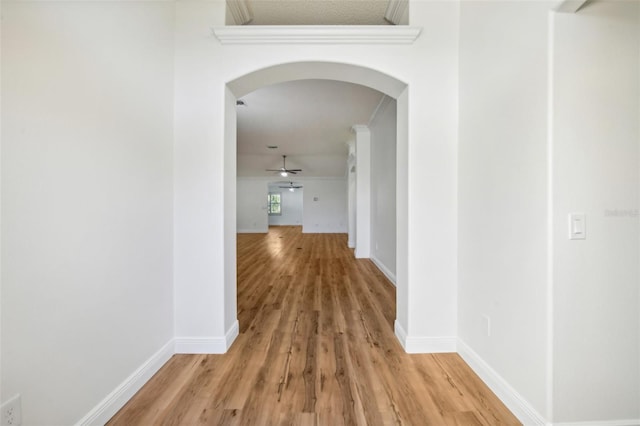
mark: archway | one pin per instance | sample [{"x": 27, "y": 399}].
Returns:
[{"x": 384, "y": 83}]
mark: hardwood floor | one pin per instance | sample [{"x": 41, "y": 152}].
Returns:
[{"x": 316, "y": 347}]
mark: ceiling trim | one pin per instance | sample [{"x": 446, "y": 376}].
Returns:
[
  {"x": 570, "y": 6},
  {"x": 317, "y": 34},
  {"x": 240, "y": 11},
  {"x": 396, "y": 10}
]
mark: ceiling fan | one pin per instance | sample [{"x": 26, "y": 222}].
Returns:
[
  {"x": 291, "y": 187},
  {"x": 283, "y": 170}
]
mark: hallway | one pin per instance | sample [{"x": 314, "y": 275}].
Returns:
[{"x": 317, "y": 347}]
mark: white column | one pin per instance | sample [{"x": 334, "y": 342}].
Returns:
[
  {"x": 363, "y": 191},
  {"x": 351, "y": 194}
]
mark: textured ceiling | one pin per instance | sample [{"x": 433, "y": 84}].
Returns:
[
  {"x": 318, "y": 12},
  {"x": 308, "y": 120}
]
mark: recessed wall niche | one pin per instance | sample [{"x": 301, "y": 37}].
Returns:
[{"x": 317, "y": 12}]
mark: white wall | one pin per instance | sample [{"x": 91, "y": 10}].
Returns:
[
  {"x": 363, "y": 191},
  {"x": 549, "y": 125},
  {"x": 87, "y": 112},
  {"x": 427, "y": 66},
  {"x": 351, "y": 196},
  {"x": 325, "y": 206},
  {"x": 502, "y": 190},
  {"x": 327, "y": 215},
  {"x": 595, "y": 161},
  {"x": 292, "y": 206},
  {"x": 383, "y": 187},
  {"x": 252, "y": 213},
  {"x": 199, "y": 164}
]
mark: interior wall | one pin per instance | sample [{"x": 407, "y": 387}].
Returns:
[
  {"x": 252, "y": 213},
  {"x": 199, "y": 178},
  {"x": 326, "y": 215},
  {"x": 383, "y": 186},
  {"x": 87, "y": 199},
  {"x": 502, "y": 194},
  {"x": 325, "y": 206},
  {"x": 292, "y": 206},
  {"x": 428, "y": 65},
  {"x": 595, "y": 162}
]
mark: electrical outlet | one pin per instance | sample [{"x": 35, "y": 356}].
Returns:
[{"x": 11, "y": 412}]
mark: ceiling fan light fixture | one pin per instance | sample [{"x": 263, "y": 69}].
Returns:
[
  {"x": 284, "y": 171},
  {"x": 291, "y": 189}
]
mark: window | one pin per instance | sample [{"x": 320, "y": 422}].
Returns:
[{"x": 275, "y": 205}]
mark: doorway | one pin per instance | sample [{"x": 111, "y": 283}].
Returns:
[
  {"x": 384, "y": 83},
  {"x": 285, "y": 203}
]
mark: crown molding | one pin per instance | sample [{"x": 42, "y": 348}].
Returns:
[
  {"x": 317, "y": 34},
  {"x": 570, "y": 6},
  {"x": 240, "y": 11},
  {"x": 396, "y": 10}
]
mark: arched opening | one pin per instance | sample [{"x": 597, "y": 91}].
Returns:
[{"x": 384, "y": 83}]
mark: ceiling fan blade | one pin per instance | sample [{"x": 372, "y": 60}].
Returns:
[{"x": 284, "y": 169}]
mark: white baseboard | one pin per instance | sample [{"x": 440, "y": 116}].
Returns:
[
  {"x": 400, "y": 334},
  {"x": 207, "y": 345},
  {"x": 110, "y": 405},
  {"x": 200, "y": 345},
  {"x": 391, "y": 276},
  {"x": 252, "y": 231},
  {"x": 512, "y": 399},
  {"x": 308, "y": 230},
  {"x": 430, "y": 345},
  {"x": 232, "y": 334},
  {"x": 632, "y": 422},
  {"x": 424, "y": 345}
]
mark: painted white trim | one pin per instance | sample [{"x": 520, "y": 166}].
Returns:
[
  {"x": 207, "y": 345},
  {"x": 519, "y": 406},
  {"x": 231, "y": 334},
  {"x": 430, "y": 345},
  {"x": 110, "y": 405},
  {"x": 252, "y": 231},
  {"x": 383, "y": 268},
  {"x": 384, "y": 101},
  {"x": 317, "y": 34},
  {"x": 396, "y": 10},
  {"x": 400, "y": 334},
  {"x": 240, "y": 11},
  {"x": 200, "y": 345},
  {"x": 632, "y": 422},
  {"x": 424, "y": 345},
  {"x": 570, "y": 6}
]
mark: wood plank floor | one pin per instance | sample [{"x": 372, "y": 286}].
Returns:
[{"x": 316, "y": 347}]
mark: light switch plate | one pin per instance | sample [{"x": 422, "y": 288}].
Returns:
[{"x": 577, "y": 226}]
